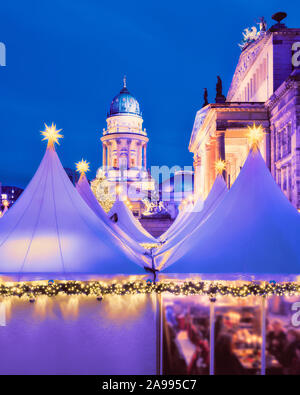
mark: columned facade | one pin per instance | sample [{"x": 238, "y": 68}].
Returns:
[
  {"x": 220, "y": 132},
  {"x": 124, "y": 145},
  {"x": 265, "y": 90}
]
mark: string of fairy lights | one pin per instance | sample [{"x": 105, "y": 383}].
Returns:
[{"x": 99, "y": 290}]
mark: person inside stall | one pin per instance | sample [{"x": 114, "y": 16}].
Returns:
[
  {"x": 289, "y": 355},
  {"x": 276, "y": 340},
  {"x": 295, "y": 368},
  {"x": 219, "y": 327},
  {"x": 226, "y": 362},
  {"x": 199, "y": 364},
  {"x": 171, "y": 318}
]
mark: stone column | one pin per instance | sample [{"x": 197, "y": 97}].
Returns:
[
  {"x": 109, "y": 150},
  {"x": 139, "y": 154},
  {"x": 198, "y": 176},
  {"x": 118, "y": 152},
  {"x": 213, "y": 159},
  {"x": 145, "y": 156},
  {"x": 207, "y": 171},
  {"x": 221, "y": 148},
  {"x": 104, "y": 155},
  {"x": 221, "y": 145},
  {"x": 129, "y": 154}
]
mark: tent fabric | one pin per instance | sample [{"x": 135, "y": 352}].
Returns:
[
  {"x": 50, "y": 229},
  {"x": 129, "y": 224},
  {"x": 87, "y": 195},
  {"x": 200, "y": 213},
  {"x": 254, "y": 231},
  {"x": 177, "y": 223}
]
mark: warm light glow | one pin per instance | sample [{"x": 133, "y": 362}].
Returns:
[
  {"x": 220, "y": 166},
  {"x": 82, "y": 167},
  {"x": 51, "y": 134},
  {"x": 5, "y": 203},
  {"x": 119, "y": 189},
  {"x": 255, "y": 135}
]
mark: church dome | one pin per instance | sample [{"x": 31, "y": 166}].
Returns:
[{"x": 124, "y": 103}]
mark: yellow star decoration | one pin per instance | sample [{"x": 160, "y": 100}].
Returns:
[
  {"x": 220, "y": 166},
  {"x": 255, "y": 135},
  {"x": 83, "y": 166},
  {"x": 51, "y": 134}
]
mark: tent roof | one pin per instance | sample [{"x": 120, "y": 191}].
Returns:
[
  {"x": 86, "y": 193},
  {"x": 50, "y": 229},
  {"x": 254, "y": 231},
  {"x": 176, "y": 225},
  {"x": 129, "y": 224},
  {"x": 200, "y": 213}
]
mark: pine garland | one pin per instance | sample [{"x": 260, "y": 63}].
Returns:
[{"x": 99, "y": 289}]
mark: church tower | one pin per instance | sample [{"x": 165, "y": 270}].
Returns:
[
  {"x": 124, "y": 162},
  {"x": 124, "y": 141}
]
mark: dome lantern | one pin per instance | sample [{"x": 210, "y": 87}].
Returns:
[{"x": 124, "y": 103}]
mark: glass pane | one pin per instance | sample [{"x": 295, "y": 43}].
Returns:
[
  {"x": 186, "y": 335},
  {"x": 283, "y": 336},
  {"x": 238, "y": 336}
]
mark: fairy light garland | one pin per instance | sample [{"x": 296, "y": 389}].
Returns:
[{"x": 99, "y": 289}]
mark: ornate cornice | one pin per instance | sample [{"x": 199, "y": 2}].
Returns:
[
  {"x": 289, "y": 83},
  {"x": 246, "y": 60},
  {"x": 207, "y": 122}
]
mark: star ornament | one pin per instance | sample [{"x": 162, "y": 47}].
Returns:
[
  {"x": 220, "y": 166},
  {"x": 51, "y": 134},
  {"x": 82, "y": 167},
  {"x": 255, "y": 136}
]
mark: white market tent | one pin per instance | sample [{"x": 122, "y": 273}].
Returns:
[
  {"x": 128, "y": 223},
  {"x": 176, "y": 225},
  {"x": 50, "y": 230},
  {"x": 86, "y": 193},
  {"x": 254, "y": 231},
  {"x": 202, "y": 210}
]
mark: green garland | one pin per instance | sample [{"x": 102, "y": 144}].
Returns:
[{"x": 100, "y": 289}]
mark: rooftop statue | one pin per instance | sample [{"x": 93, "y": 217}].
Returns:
[
  {"x": 205, "y": 97},
  {"x": 220, "y": 98}
]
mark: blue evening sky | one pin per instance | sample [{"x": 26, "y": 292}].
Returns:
[{"x": 66, "y": 60}]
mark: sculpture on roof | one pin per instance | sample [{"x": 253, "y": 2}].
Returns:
[
  {"x": 205, "y": 97},
  {"x": 252, "y": 34},
  {"x": 220, "y": 98}
]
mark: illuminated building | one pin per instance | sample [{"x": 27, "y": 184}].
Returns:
[
  {"x": 10, "y": 194},
  {"x": 265, "y": 90},
  {"x": 124, "y": 144}
]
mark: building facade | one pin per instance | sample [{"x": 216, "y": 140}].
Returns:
[
  {"x": 9, "y": 194},
  {"x": 265, "y": 90},
  {"x": 124, "y": 147}
]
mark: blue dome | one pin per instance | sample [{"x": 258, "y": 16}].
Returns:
[{"x": 124, "y": 103}]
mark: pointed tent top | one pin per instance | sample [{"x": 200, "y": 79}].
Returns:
[
  {"x": 253, "y": 233},
  {"x": 82, "y": 167},
  {"x": 192, "y": 220},
  {"x": 51, "y": 232},
  {"x": 128, "y": 223},
  {"x": 87, "y": 195},
  {"x": 51, "y": 134}
]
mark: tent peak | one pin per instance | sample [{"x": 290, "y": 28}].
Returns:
[{"x": 52, "y": 135}]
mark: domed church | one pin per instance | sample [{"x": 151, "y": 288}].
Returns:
[{"x": 124, "y": 144}]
